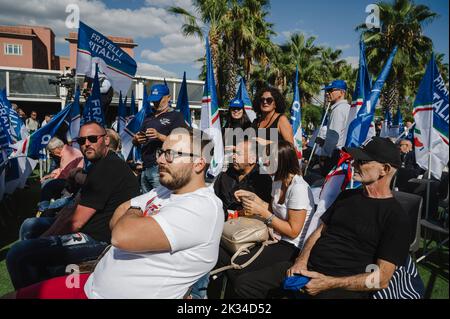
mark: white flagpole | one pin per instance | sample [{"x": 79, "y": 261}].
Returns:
[
  {"x": 315, "y": 143},
  {"x": 405, "y": 132}
]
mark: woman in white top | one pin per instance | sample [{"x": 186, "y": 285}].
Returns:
[{"x": 288, "y": 214}]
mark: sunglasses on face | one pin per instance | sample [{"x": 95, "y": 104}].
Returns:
[
  {"x": 235, "y": 109},
  {"x": 268, "y": 100},
  {"x": 91, "y": 138}
]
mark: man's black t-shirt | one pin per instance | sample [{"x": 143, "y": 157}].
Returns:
[
  {"x": 227, "y": 183},
  {"x": 164, "y": 124},
  {"x": 360, "y": 230},
  {"x": 109, "y": 183}
]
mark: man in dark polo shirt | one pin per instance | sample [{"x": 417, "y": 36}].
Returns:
[
  {"x": 81, "y": 232},
  {"x": 243, "y": 174},
  {"x": 153, "y": 133},
  {"x": 364, "y": 235}
]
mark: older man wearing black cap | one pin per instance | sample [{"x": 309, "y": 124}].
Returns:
[
  {"x": 364, "y": 235},
  {"x": 153, "y": 133},
  {"x": 337, "y": 124}
]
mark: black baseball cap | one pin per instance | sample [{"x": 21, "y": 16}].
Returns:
[{"x": 377, "y": 149}]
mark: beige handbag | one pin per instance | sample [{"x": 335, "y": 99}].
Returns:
[{"x": 241, "y": 234}]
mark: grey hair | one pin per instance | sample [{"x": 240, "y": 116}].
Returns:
[{"x": 55, "y": 143}]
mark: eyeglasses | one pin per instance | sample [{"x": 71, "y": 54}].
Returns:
[
  {"x": 268, "y": 100},
  {"x": 235, "y": 109},
  {"x": 91, "y": 138},
  {"x": 170, "y": 155}
]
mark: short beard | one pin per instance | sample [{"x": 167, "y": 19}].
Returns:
[{"x": 177, "y": 180}]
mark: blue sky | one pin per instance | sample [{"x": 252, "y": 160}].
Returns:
[{"x": 163, "y": 51}]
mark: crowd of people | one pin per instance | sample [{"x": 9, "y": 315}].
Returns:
[{"x": 155, "y": 230}]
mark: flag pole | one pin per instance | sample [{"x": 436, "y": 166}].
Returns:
[
  {"x": 405, "y": 132},
  {"x": 315, "y": 143}
]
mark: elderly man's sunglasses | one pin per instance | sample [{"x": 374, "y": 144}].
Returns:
[{"x": 91, "y": 138}]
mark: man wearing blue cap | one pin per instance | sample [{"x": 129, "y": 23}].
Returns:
[
  {"x": 337, "y": 124},
  {"x": 153, "y": 133}
]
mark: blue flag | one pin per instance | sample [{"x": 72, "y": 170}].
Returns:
[
  {"x": 183, "y": 102},
  {"x": 398, "y": 123},
  {"x": 358, "y": 131},
  {"x": 93, "y": 109},
  {"x": 37, "y": 141},
  {"x": 242, "y": 94},
  {"x": 5, "y": 139},
  {"x": 296, "y": 118},
  {"x": 121, "y": 115},
  {"x": 74, "y": 117},
  {"x": 132, "y": 104},
  {"x": 133, "y": 126},
  {"x": 11, "y": 119},
  {"x": 363, "y": 84},
  {"x": 115, "y": 63}
]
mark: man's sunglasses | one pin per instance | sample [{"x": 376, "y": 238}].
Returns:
[
  {"x": 268, "y": 100},
  {"x": 91, "y": 138}
]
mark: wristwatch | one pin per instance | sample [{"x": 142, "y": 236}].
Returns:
[{"x": 268, "y": 220}]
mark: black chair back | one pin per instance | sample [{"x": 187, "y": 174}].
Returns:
[{"x": 412, "y": 205}]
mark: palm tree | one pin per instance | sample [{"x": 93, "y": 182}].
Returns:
[
  {"x": 402, "y": 24},
  {"x": 238, "y": 33},
  {"x": 208, "y": 13}
]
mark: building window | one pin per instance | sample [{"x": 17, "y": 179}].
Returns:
[{"x": 13, "y": 49}]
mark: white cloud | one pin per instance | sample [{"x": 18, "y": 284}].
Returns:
[
  {"x": 353, "y": 60},
  {"x": 288, "y": 33},
  {"x": 151, "y": 21},
  {"x": 185, "y": 4},
  {"x": 144, "y": 22},
  {"x": 343, "y": 47},
  {"x": 153, "y": 70},
  {"x": 177, "y": 49}
]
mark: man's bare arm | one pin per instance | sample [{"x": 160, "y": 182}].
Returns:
[
  {"x": 301, "y": 261},
  {"x": 371, "y": 281},
  {"x": 137, "y": 233},
  {"x": 118, "y": 213}
]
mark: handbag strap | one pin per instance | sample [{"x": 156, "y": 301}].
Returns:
[{"x": 242, "y": 249}]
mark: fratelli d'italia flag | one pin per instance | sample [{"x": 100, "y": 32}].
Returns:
[
  {"x": 296, "y": 118},
  {"x": 33, "y": 144},
  {"x": 209, "y": 117},
  {"x": 116, "y": 64},
  {"x": 431, "y": 118}
]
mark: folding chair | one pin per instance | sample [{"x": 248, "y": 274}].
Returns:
[
  {"x": 439, "y": 227},
  {"x": 412, "y": 205}
]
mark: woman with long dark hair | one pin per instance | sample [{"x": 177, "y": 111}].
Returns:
[
  {"x": 236, "y": 116},
  {"x": 270, "y": 105}
]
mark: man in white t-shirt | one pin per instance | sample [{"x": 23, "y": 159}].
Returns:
[{"x": 167, "y": 239}]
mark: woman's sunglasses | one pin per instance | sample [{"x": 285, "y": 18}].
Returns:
[
  {"x": 268, "y": 100},
  {"x": 235, "y": 109},
  {"x": 91, "y": 138}
]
